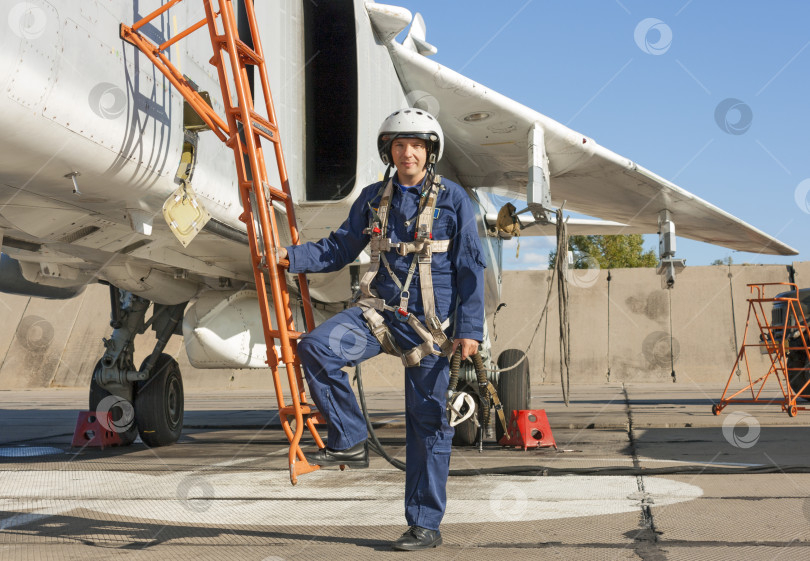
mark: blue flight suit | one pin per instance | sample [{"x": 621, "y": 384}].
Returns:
[{"x": 345, "y": 339}]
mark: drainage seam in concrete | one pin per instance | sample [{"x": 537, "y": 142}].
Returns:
[{"x": 646, "y": 539}]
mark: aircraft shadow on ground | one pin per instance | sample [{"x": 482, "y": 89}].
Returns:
[{"x": 135, "y": 535}]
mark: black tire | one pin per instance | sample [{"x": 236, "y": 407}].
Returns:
[
  {"x": 159, "y": 404},
  {"x": 514, "y": 386},
  {"x": 123, "y": 417},
  {"x": 466, "y": 432}
]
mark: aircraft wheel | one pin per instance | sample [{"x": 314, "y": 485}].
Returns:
[
  {"x": 123, "y": 414},
  {"x": 514, "y": 386},
  {"x": 715, "y": 409},
  {"x": 159, "y": 404},
  {"x": 466, "y": 431}
]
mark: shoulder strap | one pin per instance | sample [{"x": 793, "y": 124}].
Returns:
[
  {"x": 425, "y": 258},
  {"x": 377, "y": 230}
]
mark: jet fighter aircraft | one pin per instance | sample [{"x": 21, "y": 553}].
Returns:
[{"x": 98, "y": 148}]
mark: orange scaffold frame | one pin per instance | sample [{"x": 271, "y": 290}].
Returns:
[
  {"x": 243, "y": 130},
  {"x": 777, "y": 341}
]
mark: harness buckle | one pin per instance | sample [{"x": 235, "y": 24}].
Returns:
[
  {"x": 423, "y": 233},
  {"x": 380, "y": 244},
  {"x": 433, "y": 323},
  {"x": 402, "y": 311}
]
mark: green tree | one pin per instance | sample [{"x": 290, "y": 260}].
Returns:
[
  {"x": 724, "y": 261},
  {"x": 609, "y": 252}
]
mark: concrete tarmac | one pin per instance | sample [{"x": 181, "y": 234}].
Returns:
[{"x": 640, "y": 472}]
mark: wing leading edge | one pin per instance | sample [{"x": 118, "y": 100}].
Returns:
[{"x": 487, "y": 143}]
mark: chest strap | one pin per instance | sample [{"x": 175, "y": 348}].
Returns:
[{"x": 422, "y": 248}]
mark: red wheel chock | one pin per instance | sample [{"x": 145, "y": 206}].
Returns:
[
  {"x": 529, "y": 428},
  {"x": 91, "y": 432}
]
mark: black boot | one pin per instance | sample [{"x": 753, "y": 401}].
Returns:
[
  {"x": 417, "y": 538},
  {"x": 354, "y": 457}
]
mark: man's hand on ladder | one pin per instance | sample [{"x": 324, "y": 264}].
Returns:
[{"x": 282, "y": 253}]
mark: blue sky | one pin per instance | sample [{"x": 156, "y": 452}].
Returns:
[{"x": 654, "y": 91}]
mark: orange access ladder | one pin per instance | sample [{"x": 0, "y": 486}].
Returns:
[
  {"x": 244, "y": 129},
  {"x": 777, "y": 341}
]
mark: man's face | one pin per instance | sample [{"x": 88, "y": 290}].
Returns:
[{"x": 410, "y": 157}]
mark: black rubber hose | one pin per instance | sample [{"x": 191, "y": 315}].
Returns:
[
  {"x": 375, "y": 444},
  {"x": 455, "y": 366}
]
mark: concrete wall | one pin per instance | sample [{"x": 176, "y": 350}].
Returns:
[{"x": 620, "y": 331}]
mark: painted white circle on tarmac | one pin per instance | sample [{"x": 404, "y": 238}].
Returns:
[{"x": 326, "y": 497}]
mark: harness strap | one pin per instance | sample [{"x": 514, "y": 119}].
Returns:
[
  {"x": 423, "y": 247},
  {"x": 377, "y": 229},
  {"x": 404, "y": 248},
  {"x": 496, "y": 402},
  {"x": 377, "y": 325}
]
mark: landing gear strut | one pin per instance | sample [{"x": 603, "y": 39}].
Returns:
[{"x": 149, "y": 400}]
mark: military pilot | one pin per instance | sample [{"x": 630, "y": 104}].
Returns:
[{"x": 422, "y": 298}]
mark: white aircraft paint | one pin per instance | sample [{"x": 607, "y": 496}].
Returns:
[{"x": 323, "y": 498}]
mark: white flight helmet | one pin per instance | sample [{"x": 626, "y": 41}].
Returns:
[{"x": 411, "y": 123}]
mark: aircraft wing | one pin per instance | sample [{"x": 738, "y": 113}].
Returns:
[{"x": 487, "y": 143}]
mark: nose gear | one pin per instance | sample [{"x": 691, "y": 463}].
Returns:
[{"x": 423, "y": 247}]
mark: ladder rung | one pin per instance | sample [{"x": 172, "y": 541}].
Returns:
[
  {"x": 294, "y": 335},
  {"x": 290, "y": 410},
  {"x": 316, "y": 416},
  {"x": 248, "y": 55},
  {"x": 274, "y": 193},
  {"x": 262, "y": 125}
]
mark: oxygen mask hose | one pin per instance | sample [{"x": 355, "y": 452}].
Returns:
[{"x": 483, "y": 390}]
